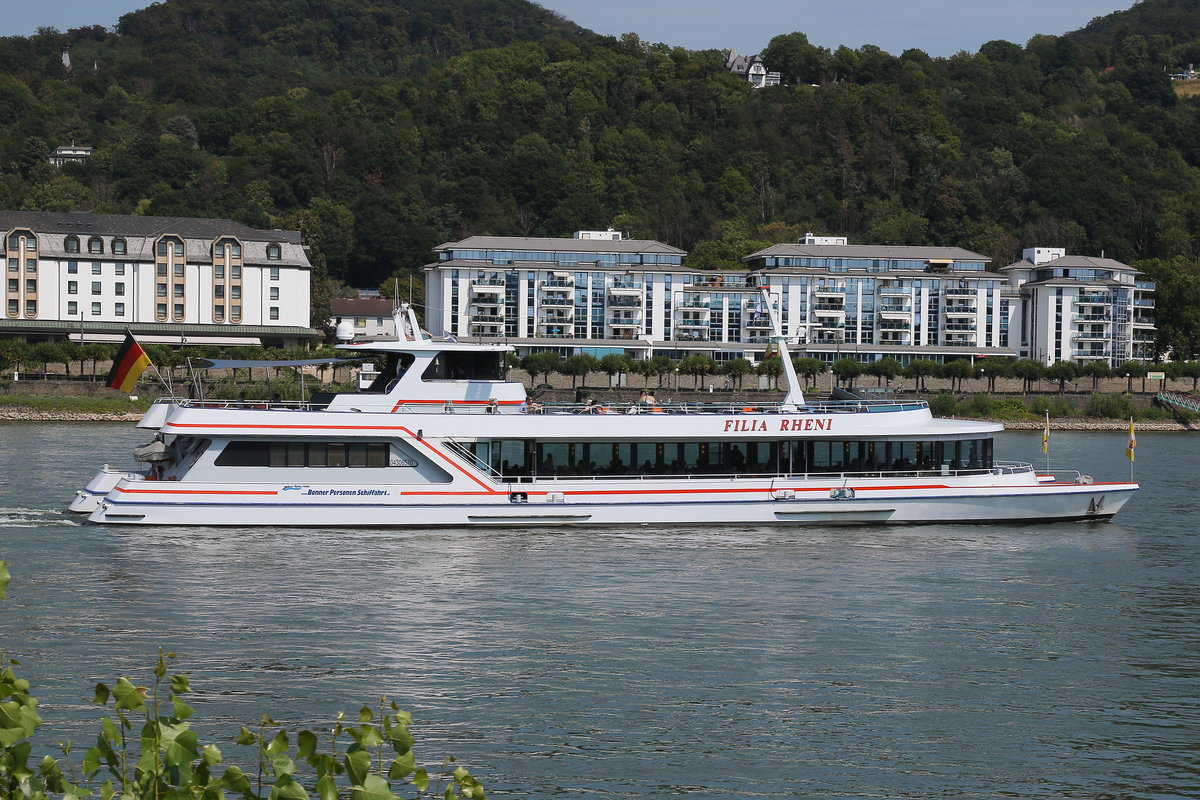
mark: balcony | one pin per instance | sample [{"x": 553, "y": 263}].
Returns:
[
  {"x": 624, "y": 322},
  {"x": 559, "y": 280},
  {"x": 489, "y": 310},
  {"x": 895, "y": 291},
  {"x": 556, "y": 318},
  {"x": 1143, "y": 322},
  {"x": 691, "y": 322},
  {"x": 829, "y": 291},
  {"x": 1090, "y": 355},
  {"x": 1093, "y": 300},
  {"x": 487, "y": 319},
  {"x": 1145, "y": 286},
  {"x": 959, "y": 311},
  {"x": 1143, "y": 302},
  {"x": 959, "y": 326},
  {"x": 625, "y": 301},
  {"x": 960, "y": 291},
  {"x": 757, "y": 322},
  {"x": 625, "y": 288},
  {"x": 837, "y": 307},
  {"x": 557, "y": 301},
  {"x": 692, "y": 336},
  {"x": 1092, "y": 318},
  {"x": 693, "y": 301},
  {"x": 739, "y": 282},
  {"x": 1090, "y": 336},
  {"x": 892, "y": 325},
  {"x": 894, "y": 312}
]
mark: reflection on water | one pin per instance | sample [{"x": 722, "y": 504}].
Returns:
[{"x": 963, "y": 661}]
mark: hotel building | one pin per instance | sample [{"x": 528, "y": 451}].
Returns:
[
  {"x": 1079, "y": 308},
  {"x": 168, "y": 279},
  {"x": 599, "y": 293}
]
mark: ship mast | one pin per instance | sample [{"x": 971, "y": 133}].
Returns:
[{"x": 795, "y": 395}]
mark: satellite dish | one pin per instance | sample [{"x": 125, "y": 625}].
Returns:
[{"x": 344, "y": 332}]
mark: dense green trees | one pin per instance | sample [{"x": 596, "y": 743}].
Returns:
[{"x": 381, "y": 129}]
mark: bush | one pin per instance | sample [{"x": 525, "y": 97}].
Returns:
[
  {"x": 1110, "y": 406},
  {"x": 979, "y": 405},
  {"x": 162, "y": 757},
  {"x": 943, "y": 405},
  {"x": 1010, "y": 408},
  {"x": 1053, "y": 405}
]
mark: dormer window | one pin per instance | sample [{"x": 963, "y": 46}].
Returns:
[
  {"x": 274, "y": 252},
  {"x": 95, "y": 245},
  {"x": 71, "y": 245},
  {"x": 119, "y": 247}
]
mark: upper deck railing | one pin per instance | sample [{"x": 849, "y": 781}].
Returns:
[{"x": 531, "y": 407}]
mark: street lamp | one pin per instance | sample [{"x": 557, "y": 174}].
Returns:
[
  {"x": 677, "y": 379},
  {"x": 1128, "y": 383}
]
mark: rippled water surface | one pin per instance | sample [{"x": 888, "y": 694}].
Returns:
[{"x": 1051, "y": 661}]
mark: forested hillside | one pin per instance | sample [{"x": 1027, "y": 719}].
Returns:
[{"x": 384, "y": 127}]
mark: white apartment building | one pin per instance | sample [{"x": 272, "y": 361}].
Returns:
[
  {"x": 1080, "y": 308},
  {"x": 168, "y": 279},
  {"x": 599, "y": 293}
]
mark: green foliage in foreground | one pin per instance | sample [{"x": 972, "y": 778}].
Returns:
[{"x": 147, "y": 749}]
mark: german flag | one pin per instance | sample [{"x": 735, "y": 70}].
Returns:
[{"x": 128, "y": 366}]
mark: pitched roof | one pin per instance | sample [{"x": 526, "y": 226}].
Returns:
[
  {"x": 561, "y": 245},
  {"x": 87, "y": 223},
  {"x": 886, "y": 251},
  {"x": 359, "y": 307}
]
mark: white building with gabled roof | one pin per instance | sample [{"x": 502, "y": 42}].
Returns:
[{"x": 1080, "y": 308}]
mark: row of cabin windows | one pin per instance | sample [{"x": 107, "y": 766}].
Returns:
[
  {"x": 521, "y": 457},
  {"x": 304, "y": 454}
]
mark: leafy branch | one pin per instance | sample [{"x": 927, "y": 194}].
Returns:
[{"x": 163, "y": 759}]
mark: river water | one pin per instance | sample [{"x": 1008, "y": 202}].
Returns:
[{"x": 953, "y": 661}]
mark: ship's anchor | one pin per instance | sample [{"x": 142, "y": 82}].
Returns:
[{"x": 1096, "y": 506}]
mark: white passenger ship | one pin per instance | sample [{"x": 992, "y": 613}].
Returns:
[{"x": 439, "y": 439}]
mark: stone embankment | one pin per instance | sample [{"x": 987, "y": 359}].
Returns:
[{"x": 23, "y": 414}]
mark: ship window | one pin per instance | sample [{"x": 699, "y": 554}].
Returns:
[
  {"x": 739, "y": 457},
  {"x": 394, "y": 366},
  {"x": 304, "y": 454},
  {"x": 464, "y": 367}
]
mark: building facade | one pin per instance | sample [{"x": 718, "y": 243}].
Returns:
[
  {"x": 874, "y": 301},
  {"x": 169, "y": 279},
  {"x": 599, "y": 293},
  {"x": 371, "y": 317},
  {"x": 1079, "y": 308}
]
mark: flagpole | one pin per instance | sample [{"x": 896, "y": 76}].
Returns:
[{"x": 1046, "y": 441}]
